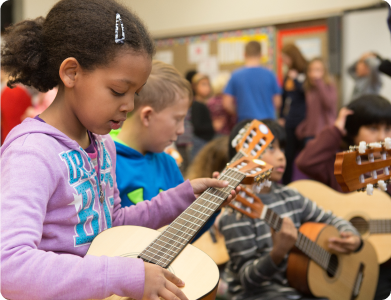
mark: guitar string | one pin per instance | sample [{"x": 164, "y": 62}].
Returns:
[
  {"x": 311, "y": 247},
  {"x": 174, "y": 234},
  {"x": 209, "y": 204}
]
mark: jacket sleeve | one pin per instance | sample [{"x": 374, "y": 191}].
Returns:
[
  {"x": 158, "y": 212},
  {"x": 29, "y": 180},
  {"x": 327, "y": 95},
  {"x": 318, "y": 156},
  {"x": 251, "y": 268}
]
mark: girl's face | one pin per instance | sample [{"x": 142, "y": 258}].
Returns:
[
  {"x": 372, "y": 133},
  {"x": 315, "y": 70},
  {"x": 362, "y": 69},
  {"x": 203, "y": 88},
  {"x": 103, "y": 97}
]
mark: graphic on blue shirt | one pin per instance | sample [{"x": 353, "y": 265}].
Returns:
[{"x": 84, "y": 179}]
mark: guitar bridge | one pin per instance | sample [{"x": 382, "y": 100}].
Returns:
[{"x": 358, "y": 282}]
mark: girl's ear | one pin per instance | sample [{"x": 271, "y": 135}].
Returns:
[
  {"x": 68, "y": 71},
  {"x": 146, "y": 113}
]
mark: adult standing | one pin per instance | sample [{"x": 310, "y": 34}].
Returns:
[
  {"x": 253, "y": 91},
  {"x": 293, "y": 107}
]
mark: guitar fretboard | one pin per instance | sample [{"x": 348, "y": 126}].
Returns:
[
  {"x": 163, "y": 250},
  {"x": 380, "y": 226},
  {"x": 307, "y": 246}
]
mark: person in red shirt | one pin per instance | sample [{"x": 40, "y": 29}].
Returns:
[{"x": 14, "y": 103}]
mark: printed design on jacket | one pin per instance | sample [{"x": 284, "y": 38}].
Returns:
[{"x": 84, "y": 180}]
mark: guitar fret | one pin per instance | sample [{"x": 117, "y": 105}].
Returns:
[
  {"x": 175, "y": 235},
  {"x": 167, "y": 243},
  {"x": 197, "y": 211},
  {"x": 208, "y": 201},
  {"x": 193, "y": 216},
  {"x": 151, "y": 247},
  {"x": 185, "y": 227},
  {"x": 203, "y": 206},
  {"x": 215, "y": 196},
  {"x": 188, "y": 221}
]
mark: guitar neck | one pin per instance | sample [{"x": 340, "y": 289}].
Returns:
[
  {"x": 308, "y": 247},
  {"x": 174, "y": 239},
  {"x": 380, "y": 226}
]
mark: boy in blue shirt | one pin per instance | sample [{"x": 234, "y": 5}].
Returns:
[{"x": 143, "y": 170}]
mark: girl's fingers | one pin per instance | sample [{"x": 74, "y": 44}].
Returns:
[
  {"x": 172, "y": 292},
  {"x": 171, "y": 277}
]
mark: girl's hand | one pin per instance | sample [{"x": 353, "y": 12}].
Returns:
[
  {"x": 201, "y": 184},
  {"x": 341, "y": 119},
  {"x": 347, "y": 243},
  {"x": 283, "y": 240},
  {"x": 161, "y": 283}
]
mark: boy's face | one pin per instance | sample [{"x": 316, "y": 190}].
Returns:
[
  {"x": 166, "y": 125},
  {"x": 372, "y": 133},
  {"x": 203, "y": 88},
  {"x": 276, "y": 157}
]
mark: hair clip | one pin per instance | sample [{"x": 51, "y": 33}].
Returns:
[{"x": 119, "y": 40}]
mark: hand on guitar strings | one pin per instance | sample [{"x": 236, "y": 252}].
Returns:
[
  {"x": 283, "y": 240},
  {"x": 346, "y": 243},
  {"x": 201, "y": 184},
  {"x": 161, "y": 283}
]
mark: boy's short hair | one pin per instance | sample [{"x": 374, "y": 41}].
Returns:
[
  {"x": 276, "y": 129},
  {"x": 368, "y": 110},
  {"x": 253, "y": 48},
  {"x": 164, "y": 86}
]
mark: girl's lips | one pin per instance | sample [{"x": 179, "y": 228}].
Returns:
[
  {"x": 280, "y": 169},
  {"x": 115, "y": 125}
]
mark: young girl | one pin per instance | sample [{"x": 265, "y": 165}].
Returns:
[
  {"x": 321, "y": 101},
  {"x": 293, "y": 104},
  {"x": 58, "y": 170}
]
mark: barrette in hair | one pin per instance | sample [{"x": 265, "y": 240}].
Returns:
[{"x": 119, "y": 36}]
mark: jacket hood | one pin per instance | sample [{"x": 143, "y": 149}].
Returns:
[{"x": 31, "y": 126}]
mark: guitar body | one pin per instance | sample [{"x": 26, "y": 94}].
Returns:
[
  {"x": 194, "y": 267},
  {"x": 353, "y": 205},
  {"x": 308, "y": 277}
]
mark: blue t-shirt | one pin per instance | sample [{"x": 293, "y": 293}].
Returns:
[
  {"x": 142, "y": 177},
  {"x": 253, "y": 89}
]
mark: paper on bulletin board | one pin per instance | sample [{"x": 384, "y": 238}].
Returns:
[
  {"x": 197, "y": 52},
  {"x": 231, "y": 50},
  {"x": 166, "y": 56},
  {"x": 310, "y": 48},
  {"x": 209, "y": 66}
]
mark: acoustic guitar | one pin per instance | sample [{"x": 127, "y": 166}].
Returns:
[
  {"x": 170, "y": 249},
  {"x": 315, "y": 269},
  {"x": 364, "y": 167},
  {"x": 370, "y": 216}
]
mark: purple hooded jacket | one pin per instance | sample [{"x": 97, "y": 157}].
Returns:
[{"x": 50, "y": 213}]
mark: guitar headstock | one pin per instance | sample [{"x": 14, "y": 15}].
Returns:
[
  {"x": 257, "y": 171},
  {"x": 247, "y": 203},
  {"x": 364, "y": 167},
  {"x": 253, "y": 139}
]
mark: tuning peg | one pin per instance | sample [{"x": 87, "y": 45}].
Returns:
[
  {"x": 387, "y": 143},
  {"x": 382, "y": 185},
  {"x": 257, "y": 188},
  {"x": 362, "y": 147},
  {"x": 268, "y": 183},
  {"x": 369, "y": 189}
]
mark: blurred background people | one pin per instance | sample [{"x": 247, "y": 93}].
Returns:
[
  {"x": 293, "y": 107},
  {"x": 253, "y": 91},
  {"x": 321, "y": 98}
]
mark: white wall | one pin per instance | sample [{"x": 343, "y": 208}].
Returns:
[
  {"x": 365, "y": 31},
  {"x": 166, "y": 18}
]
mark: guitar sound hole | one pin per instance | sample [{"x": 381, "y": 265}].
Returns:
[
  {"x": 333, "y": 266},
  {"x": 360, "y": 224}
]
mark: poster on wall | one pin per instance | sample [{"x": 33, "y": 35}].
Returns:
[
  {"x": 209, "y": 66},
  {"x": 166, "y": 56},
  {"x": 310, "y": 48},
  {"x": 231, "y": 50},
  {"x": 197, "y": 52}
]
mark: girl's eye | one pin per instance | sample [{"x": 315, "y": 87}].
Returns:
[{"x": 117, "y": 94}]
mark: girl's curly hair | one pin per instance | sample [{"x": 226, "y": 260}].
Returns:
[{"x": 33, "y": 50}]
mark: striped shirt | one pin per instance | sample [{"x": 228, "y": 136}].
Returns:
[{"x": 250, "y": 271}]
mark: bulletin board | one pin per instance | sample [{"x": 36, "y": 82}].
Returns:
[
  {"x": 312, "y": 41},
  {"x": 216, "y": 52}
]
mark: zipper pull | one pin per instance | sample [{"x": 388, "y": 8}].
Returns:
[{"x": 101, "y": 195}]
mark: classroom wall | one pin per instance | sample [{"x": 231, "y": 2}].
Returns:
[
  {"x": 360, "y": 36},
  {"x": 184, "y": 17}
]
